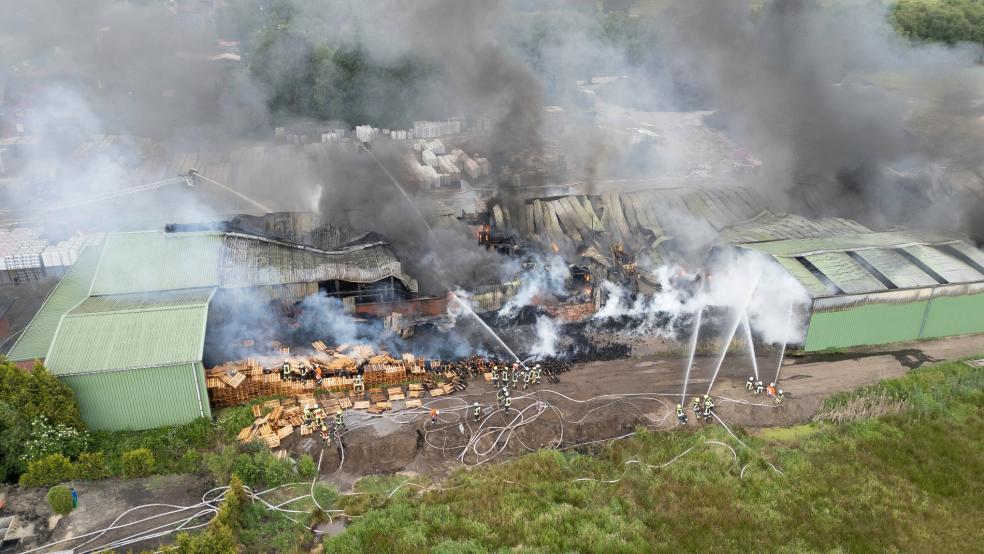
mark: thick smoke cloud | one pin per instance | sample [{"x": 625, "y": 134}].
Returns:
[{"x": 790, "y": 83}]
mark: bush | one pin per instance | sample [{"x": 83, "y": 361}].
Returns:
[
  {"x": 47, "y": 438},
  {"x": 306, "y": 467},
  {"x": 38, "y": 393},
  {"x": 47, "y": 471},
  {"x": 138, "y": 463},
  {"x": 60, "y": 500},
  {"x": 91, "y": 466},
  {"x": 221, "y": 465}
]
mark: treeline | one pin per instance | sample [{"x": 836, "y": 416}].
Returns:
[
  {"x": 312, "y": 61},
  {"x": 946, "y": 21}
]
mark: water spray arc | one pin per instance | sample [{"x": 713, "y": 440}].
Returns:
[
  {"x": 751, "y": 344},
  {"x": 785, "y": 340},
  {"x": 693, "y": 350},
  {"x": 731, "y": 334}
]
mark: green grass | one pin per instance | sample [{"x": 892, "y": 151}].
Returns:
[{"x": 909, "y": 482}]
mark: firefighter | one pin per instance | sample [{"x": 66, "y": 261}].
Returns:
[
  {"x": 285, "y": 370},
  {"x": 495, "y": 376},
  {"x": 527, "y": 375},
  {"x": 317, "y": 374},
  {"x": 339, "y": 419},
  {"x": 325, "y": 434},
  {"x": 750, "y": 384},
  {"x": 537, "y": 374},
  {"x": 434, "y": 413},
  {"x": 515, "y": 376},
  {"x": 476, "y": 411},
  {"x": 307, "y": 415},
  {"x": 779, "y": 397},
  {"x": 319, "y": 417},
  {"x": 681, "y": 415},
  {"x": 508, "y": 400},
  {"x": 758, "y": 388},
  {"x": 708, "y": 408},
  {"x": 695, "y": 406},
  {"x": 500, "y": 397},
  {"x": 771, "y": 390}
]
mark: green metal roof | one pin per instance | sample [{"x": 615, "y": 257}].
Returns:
[
  {"x": 841, "y": 243},
  {"x": 852, "y": 262},
  {"x": 143, "y": 301},
  {"x": 72, "y": 289},
  {"x": 155, "y": 261},
  {"x": 768, "y": 227},
  {"x": 165, "y": 334}
]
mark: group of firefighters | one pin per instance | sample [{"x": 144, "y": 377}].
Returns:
[
  {"x": 703, "y": 408},
  {"x": 754, "y": 386},
  {"x": 327, "y": 425},
  {"x": 512, "y": 375}
]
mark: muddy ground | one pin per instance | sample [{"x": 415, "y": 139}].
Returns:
[{"x": 598, "y": 401}]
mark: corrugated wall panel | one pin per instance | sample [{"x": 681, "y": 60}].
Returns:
[
  {"x": 865, "y": 325},
  {"x": 140, "y": 399},
  {"x": 955, "y": 315}
]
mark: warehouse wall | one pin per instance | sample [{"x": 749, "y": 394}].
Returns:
[
  {"x": 141, "y": 398},
  {"x": 885, "y": 323}
]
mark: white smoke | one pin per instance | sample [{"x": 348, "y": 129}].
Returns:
[
  {"x": 545, "y": 279},
  {"x": 546, "y": 338}
]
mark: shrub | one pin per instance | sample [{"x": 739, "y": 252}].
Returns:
[
  {"x": 47, "y": 471},
  {"x": 138, "y": 463},
  {"x": 38, "y": 393},
  {"x": 221, "y": 464},
  {"x": 306, "y": 467},
  {"x": 47, "y": 438},
  {"x": 91, "y": 466},
  {"x": 275, "y": 471},
  {"x": 60, "y": 500}
]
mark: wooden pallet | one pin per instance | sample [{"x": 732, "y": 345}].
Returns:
[
  {"x": 413, "y": 403},
  {"x": 246, "y": 434},
  {"x": 272, "y": 441},
  {"x": 397, "y": 397},
  {"x": 362, "y": 405},
  {"x": 257, "y": 410},
  {"x": 271, "y": 404},
  {"x": 319, "y": 346},
  {"x": 285, "y": 432},
  {"x": 416, "y": 394}
]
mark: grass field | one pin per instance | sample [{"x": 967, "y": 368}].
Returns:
[{"x": 907, "y": 482}]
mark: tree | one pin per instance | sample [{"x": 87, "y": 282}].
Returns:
[
  {"x": 38, "y": 393},
  {"x": 60, "y": 500},
  {"x": 947, "y": 21}
]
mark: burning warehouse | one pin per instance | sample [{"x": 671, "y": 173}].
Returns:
[
  {"x": 127, "y": 326},
  {"x": 862, "y": 287}
]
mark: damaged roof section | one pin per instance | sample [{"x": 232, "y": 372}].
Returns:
[{"x": 155, "y": 261}]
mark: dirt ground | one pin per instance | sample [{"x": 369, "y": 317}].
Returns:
[
  {"x": 599, "y": 401},
  {"x": 100, "y": 502}
]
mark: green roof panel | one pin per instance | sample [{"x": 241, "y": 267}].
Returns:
[
  {"x": 95, "y": 342},
  {"x": 897, "y": 269},
  {"x": 950, "y": 268},
  {"x": 156, "y": 261},
  {"x": 850, "y": 276},
  {"x": 72, "y": 289}
]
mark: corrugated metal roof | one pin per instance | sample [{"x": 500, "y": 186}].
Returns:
[
  {"x": 108, "y": 341},
  {"x": 885, "y": 252},
  {"x": 143, "y": 301},
  {"x": 252, "y": 261},
  {"x": 768, "y": 227},
  {"x": 155, "y": 261},
  {"x": 950, "y": 268},
  {"x": 850, "y": 276},
  {"x": 72, "y": 289},
  {"x": 897, "y": 269}
]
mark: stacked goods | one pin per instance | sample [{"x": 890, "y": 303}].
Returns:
[{"x": 21, "y": 248}]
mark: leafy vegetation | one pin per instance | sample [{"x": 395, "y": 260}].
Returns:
[
  {"x": 33, "y": 401},
  {"x": 60, "y": 500},
  {"x": 913, "y": 475},
  {"x": 139, "y": 462},
  {"x": 947, "y": 21},
  {"x": 49, "y": 470}
]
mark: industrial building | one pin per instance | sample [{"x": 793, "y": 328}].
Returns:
[
  {"x": 126, "y": 327},
  {"x": 867, "y": 287}
]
